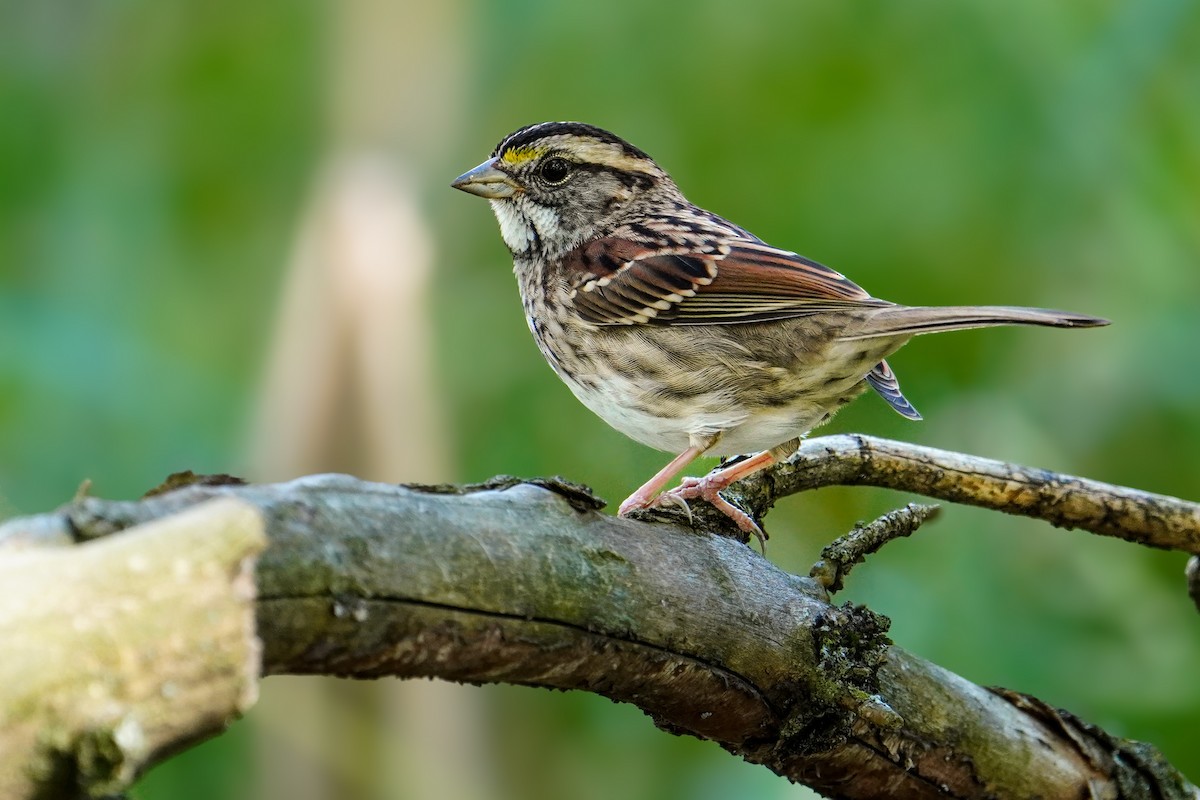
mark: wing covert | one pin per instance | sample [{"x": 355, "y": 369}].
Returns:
[{"x": 621, "y": 282}]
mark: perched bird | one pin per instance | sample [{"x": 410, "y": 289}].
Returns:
[{"x": 681, "y": 329}]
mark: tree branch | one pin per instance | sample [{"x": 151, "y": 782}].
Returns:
[
  {"x": 1062, "y": 500},
  {"x": 530, "y": 585},
  {"x": 120, "y": 652}
]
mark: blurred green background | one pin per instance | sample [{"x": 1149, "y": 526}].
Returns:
[{"x": 165, "y": 187}]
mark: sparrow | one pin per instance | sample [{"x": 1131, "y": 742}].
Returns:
[{"x": 681, "y": 329}]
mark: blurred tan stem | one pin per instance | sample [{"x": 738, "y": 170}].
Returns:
[{"x": 351, "y": 386}]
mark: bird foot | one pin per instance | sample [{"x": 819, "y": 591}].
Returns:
[
  {"x": 639, "y": 500},
  {"x": 709, "y": 489}
]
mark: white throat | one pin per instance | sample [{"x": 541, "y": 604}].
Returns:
[{"x": 522, "y": 223}]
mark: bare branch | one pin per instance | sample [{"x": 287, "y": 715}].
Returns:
[
  {"x": 1193, "y": 580},
  {"x": 1062, "y": 500},
  {"x": 531, "y": 585}
]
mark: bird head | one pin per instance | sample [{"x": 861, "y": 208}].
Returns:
[{"x": 554, "y": 185}]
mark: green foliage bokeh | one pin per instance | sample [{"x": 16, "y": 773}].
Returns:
[{"x": 155, "y": 158}]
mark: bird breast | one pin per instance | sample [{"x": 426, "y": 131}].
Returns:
[{"x": 751, "y": 387}]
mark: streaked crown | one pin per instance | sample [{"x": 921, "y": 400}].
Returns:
[{"x": 582, "y": 145}]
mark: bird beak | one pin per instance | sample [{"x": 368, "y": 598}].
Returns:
[{"x": 487, "y": 181}]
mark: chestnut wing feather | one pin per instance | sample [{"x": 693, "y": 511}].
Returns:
[{"x": 620, "y": 282}]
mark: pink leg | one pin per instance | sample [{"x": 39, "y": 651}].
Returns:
[
  {"x": 707, "y": 488},
  {"x": 645, "y": 495}
]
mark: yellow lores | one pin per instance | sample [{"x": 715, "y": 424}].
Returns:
[
  {"x": 516, "y": 157},
  {"x": 580, "y": 151}
]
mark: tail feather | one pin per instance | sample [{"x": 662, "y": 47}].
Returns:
[
  {"x": 884, "y": 381},
  {"x": 915, "y": 320}
]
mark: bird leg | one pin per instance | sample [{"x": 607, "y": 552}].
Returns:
[
  {"x": 644, "y": 496},
  {"x": 707, "y": 488}
]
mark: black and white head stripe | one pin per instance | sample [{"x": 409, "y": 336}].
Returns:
[
  {"x": 531, "y": 134},
  {"x": 586, "y": 146}
]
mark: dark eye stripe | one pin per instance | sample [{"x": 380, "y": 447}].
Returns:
[{"x": 628, "y": 178}]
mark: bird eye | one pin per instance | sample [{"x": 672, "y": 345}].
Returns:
[{"x": 555, "y": 170}]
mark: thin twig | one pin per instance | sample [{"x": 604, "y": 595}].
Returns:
[
  {"x": 1193, "y": 580},
  {"x": 839, "y": 556}
]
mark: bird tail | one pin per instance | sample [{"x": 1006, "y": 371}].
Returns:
[{"x": 915, "y": 320}]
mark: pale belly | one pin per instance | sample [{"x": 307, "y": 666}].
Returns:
[
  {"x": 740, "y": 430},
  {"x": 674, "y": 388}
]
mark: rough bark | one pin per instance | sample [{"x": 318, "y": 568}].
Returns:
[
  {"x": 528, "y": 584},
  {"x": 121, "y": 651},
  {"x": 1065, "y": 501}
]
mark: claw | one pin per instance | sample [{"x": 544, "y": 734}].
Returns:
[{"x": 672, "y": 499}]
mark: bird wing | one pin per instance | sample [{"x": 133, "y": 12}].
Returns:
[{"x": 618, "y": 281}]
